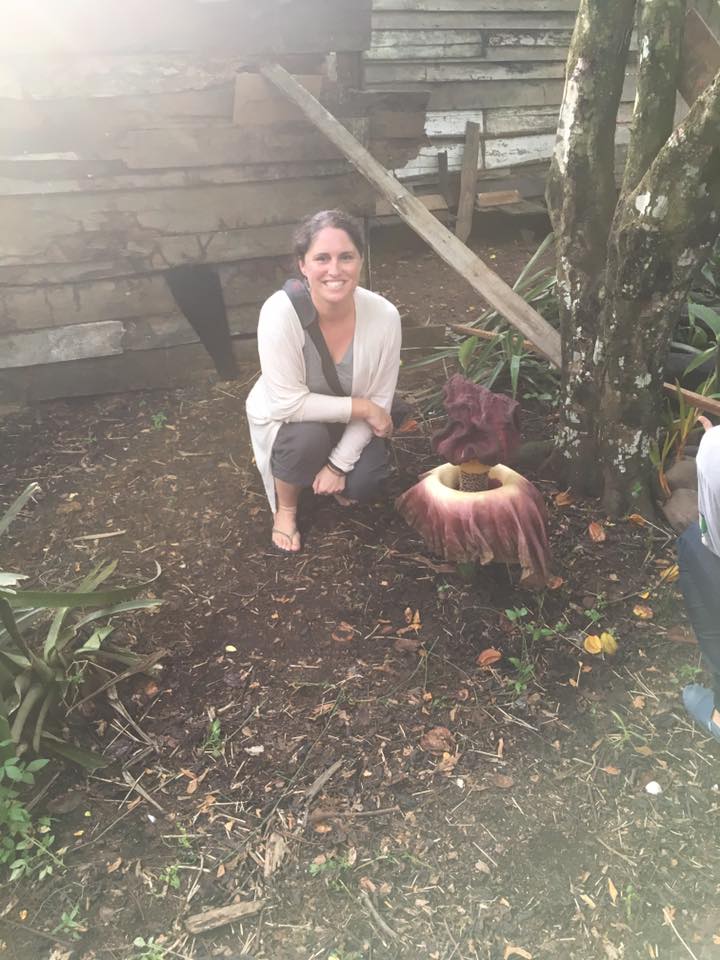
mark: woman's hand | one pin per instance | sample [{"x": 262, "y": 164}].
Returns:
[
  {"x": 379, "y": 420},
  {"x": 705, "y": 423},
  {"x": 328, "y": 482}
]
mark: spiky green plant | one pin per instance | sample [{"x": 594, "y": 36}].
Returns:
[{"x": 50, "y": 644}]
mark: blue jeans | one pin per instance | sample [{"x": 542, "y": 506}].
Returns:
[{"x": 700, "y": 585}]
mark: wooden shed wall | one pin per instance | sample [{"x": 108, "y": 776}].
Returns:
[
  {"x": 135, "y": 137},
  {"x": 499, "y": 63}
]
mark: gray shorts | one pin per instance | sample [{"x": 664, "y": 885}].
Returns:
[{"x": 302, "y": 449}]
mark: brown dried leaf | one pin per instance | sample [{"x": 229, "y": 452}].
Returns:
[
  {"x": 644, "y": 751},
  {"x": 612, "y": 771},
  {"x": 410, "y": 426},
  {"x": 488, "y": 656},
  {"x": 115, "y": 865},
  {"x": 596, "y": 532},
  {"x": 564, "y": 499},
  {"x": 554, "y": 583},
  {"x": 438, "y": 740},
  {"x": 637, "y": 519},
  {"x": 322, "y": 828},
  {"x": 612, "y": 890},
  {"x": 407, "y": 644},
  {"x": 343, "y": 633},
  {"x": 275, "y": 850},
  {"x": 502, "y": 781}
]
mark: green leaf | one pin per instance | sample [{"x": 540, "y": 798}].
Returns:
[
  {"x": 15, "y": 508},
  {"x": 84, "y": 758},
  {"x": 699, "y": 311},
  {"x": 466, "y": 351},
  {"x": 95, "y": 640},
  {"x": 699, "y": 359}
]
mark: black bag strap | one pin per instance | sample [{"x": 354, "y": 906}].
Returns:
[{"x": 301, "y": 300}]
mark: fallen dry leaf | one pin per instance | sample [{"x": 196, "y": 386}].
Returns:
[
  {"x": 554, "y": 583},
  {"x": 671, "y": 574},
  {"x": 564, "y": 499},
  {"x": 275, "y": 850},
  {"x": 488, "y": 656},
  {"x": 643, "y": 612},
  {"x": 410, "y": 426},
  {"x": 512, "y": 951},
  {"x": 592, "y": 644},
  {"x": 681, "y": 634},
  {"x": 644, "y": 751},
  {"x": 407, "y": 644},
  {"x": 588, "y": 901},
  {"x": 612, "y": 771},
  {"x": 438, "y": 740},
  {"x": 112, "y": 867},
  {"x": 638, "y": 702},
  {"x": 637, "y": 519},
  {"x": 322, "y": 828},
  {"x": 608, "y": 643},
  {"x": 502, "y": 781},
  {"x": 343, "y": 633},
  {"x": 596, "y": 532},
  {"x": 612, "y": 890}
]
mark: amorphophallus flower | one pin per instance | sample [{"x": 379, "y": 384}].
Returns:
[
  {"x": 506, "y": 522},
  {"x": 483, "y": 429}
]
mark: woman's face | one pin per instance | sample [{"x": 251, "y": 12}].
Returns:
[{"x": 332, "y": 267}]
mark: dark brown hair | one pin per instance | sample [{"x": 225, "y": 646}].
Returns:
[{"x": 310, "y": 227}]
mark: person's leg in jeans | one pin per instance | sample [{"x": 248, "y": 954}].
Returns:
[
  {"x": 299, "y": 453},
  {"x": 700, "y": 585}
]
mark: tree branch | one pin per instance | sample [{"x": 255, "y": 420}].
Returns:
[{"x": 660, "y": 31}]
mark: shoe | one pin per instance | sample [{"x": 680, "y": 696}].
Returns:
[{"x": 700, "y": 702}]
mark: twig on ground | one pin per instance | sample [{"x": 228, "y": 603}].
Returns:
[{"x": 370, "y": 906}]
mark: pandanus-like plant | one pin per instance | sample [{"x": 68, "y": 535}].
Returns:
[{"x": 474, "y": 508}]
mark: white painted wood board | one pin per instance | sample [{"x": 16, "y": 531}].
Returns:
[{"x": 59, "y": 344}]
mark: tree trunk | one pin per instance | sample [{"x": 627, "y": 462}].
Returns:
[{"x": 625, "y": 267}]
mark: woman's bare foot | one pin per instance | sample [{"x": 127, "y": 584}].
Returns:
[
  {"x": 345, "y": 501},
  {"x": 285, "y": 534}
]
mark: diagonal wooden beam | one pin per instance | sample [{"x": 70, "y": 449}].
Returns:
[{"x": 453, "y": 251}]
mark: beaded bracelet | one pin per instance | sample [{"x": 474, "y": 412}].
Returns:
[{"x": 333, "y": 469}]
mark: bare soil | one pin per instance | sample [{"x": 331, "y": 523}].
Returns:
[{"x": 522, "y": 829}]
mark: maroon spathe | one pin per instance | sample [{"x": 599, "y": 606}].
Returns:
[{"x": 482, "y": 425}]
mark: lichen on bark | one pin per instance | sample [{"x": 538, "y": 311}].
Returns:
[{"x": 625, "y": 264}]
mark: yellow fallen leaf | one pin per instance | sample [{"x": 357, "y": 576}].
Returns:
[
  {"x": 612, "y": 771},
  {"x": 671, "y": 574},
  {"x": 608, "y": 643},
  {"x": 638, "y": 702},
  {"x": 612, "y": 890},
  {"x": 588, "y": 901},
  {"x": 512, "y": 951},
  {"x": 644, "y": 595},
  {"x": 643, "y": 612},
  {"x": 592, "y": 644},
  {"x": 596, "y": 532}
]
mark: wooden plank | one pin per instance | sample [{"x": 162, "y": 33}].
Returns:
[
  {"x": 431, "y": 201},
  {"x": 523, "y": 54},
  {"x": 512, "y": 151},
  {"x": 451, "y": 123},
  {"x": 699, "y": 59},
  {"x": 425, "y": 44},
  {"x": 134, "y": 26},
  {"x": 73, "y": 227},
  {"x": 137, "y": 370},
  {"x": 496, "y": 198},
  {"x": 256, "y": 103},
  {"x": 693, "y": 399},
  {"x": 485, "y": 281},
  {"x": 523, "y": 37},
  {"x": 121, "y": 298},
  {"x": 464, "y": 71},
  {"x": 100, "y": 339},
  {"x": 521, "y": 120},
  {"x": 476, "y": 6},
  {"x": 48, "y": 174},
  {"x": 468, "y": 181},
  {"x": 457, "y": 20}
]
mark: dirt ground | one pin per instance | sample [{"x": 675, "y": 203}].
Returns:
[{"x": 284, "y": 746}]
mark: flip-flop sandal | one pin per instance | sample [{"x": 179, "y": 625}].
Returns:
[
  {"x": 289, "y": 537},
  {"x": 700, "y": 702}
]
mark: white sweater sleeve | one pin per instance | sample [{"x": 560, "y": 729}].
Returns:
[
  {"x": 358, "y": 433},
  {"x": 280, "y": 341}
]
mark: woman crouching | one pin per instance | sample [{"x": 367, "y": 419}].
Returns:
[{"x": 329, "y": 350}]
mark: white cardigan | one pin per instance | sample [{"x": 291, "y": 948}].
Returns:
[{"x": 281, "y": 395}]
